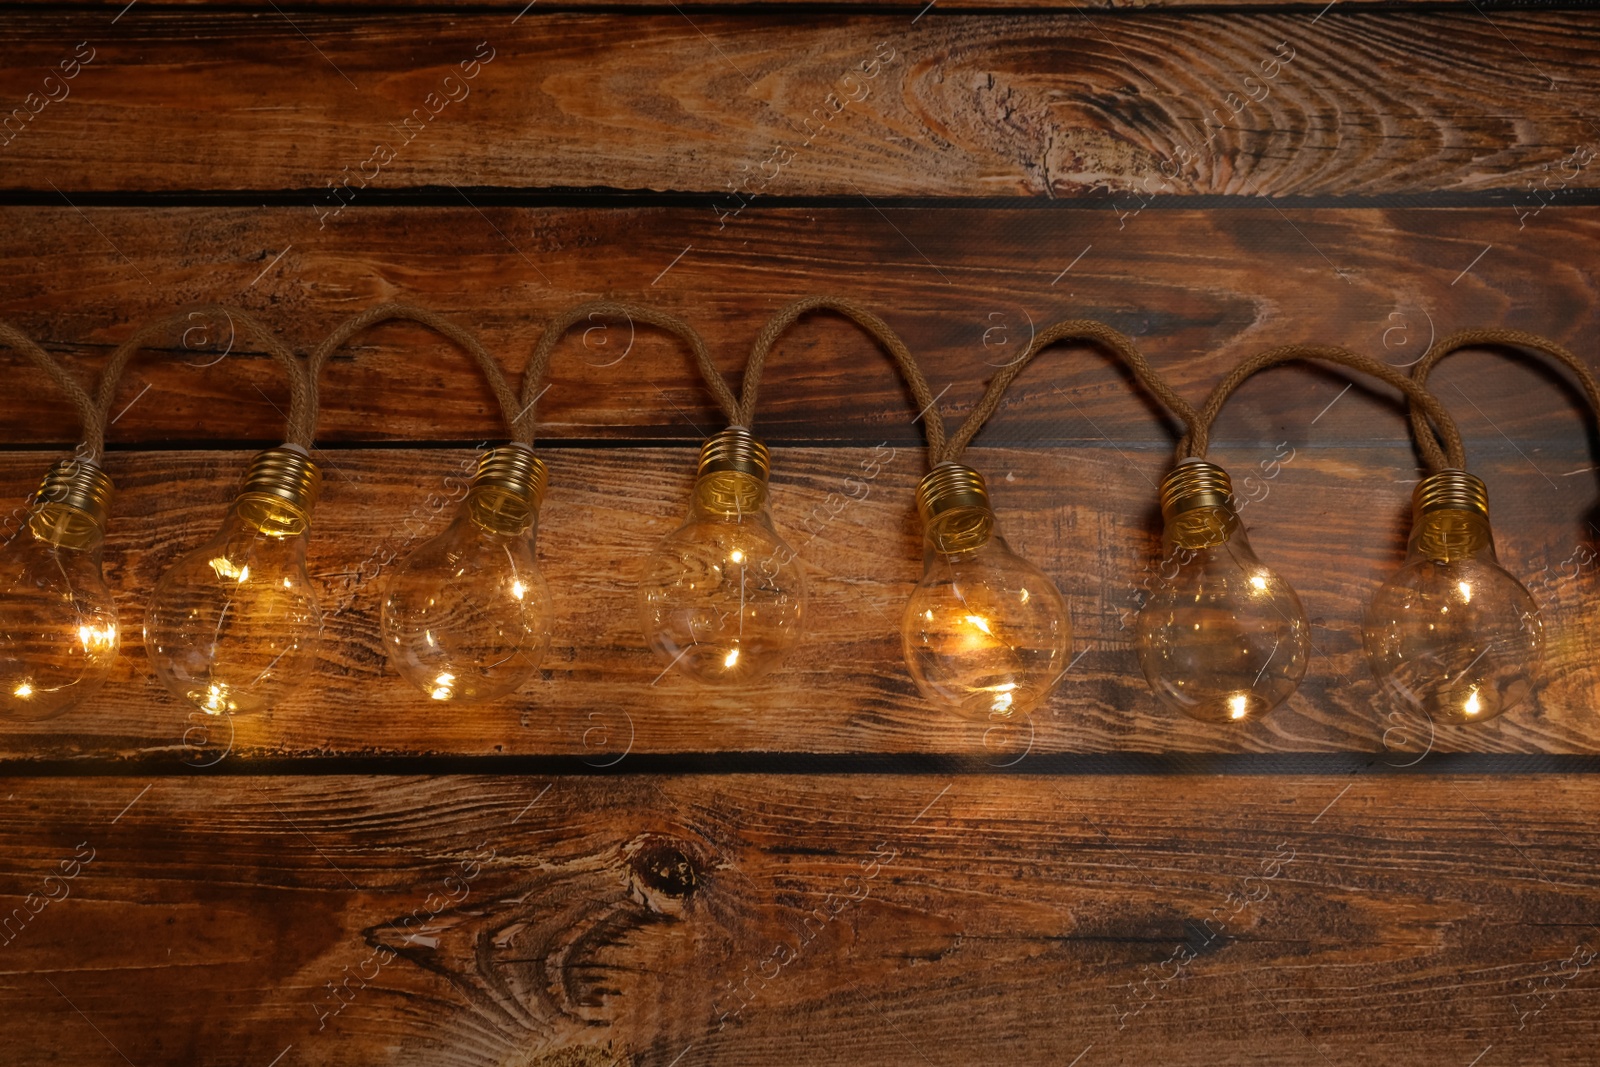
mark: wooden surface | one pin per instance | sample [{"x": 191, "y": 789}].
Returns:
[
  {"x": 616, "y": 867},
  {"x": 1037, "y": 105},
  {"x": 736, "y": 920}
]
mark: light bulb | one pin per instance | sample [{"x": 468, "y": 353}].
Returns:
[
  {"x": 58, "y": 624},
  {"x": 233, "y": 626},
  {"x": 986, "y": 632},
  {"x": 1452, "y": 632},
  {"x": 723, "y": 597},
  {"x": 1222, "y": 638},
  {"x": 467, "y": 616}
]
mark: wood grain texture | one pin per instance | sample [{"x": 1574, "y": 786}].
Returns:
[
  {"x": 1199, "y": 290},
  {"x": 468, "y": 922},
  {"x": 1356, "y": 103},
  {"x": 1333, "y": 522},
  {"x": 841, "y": 7}
]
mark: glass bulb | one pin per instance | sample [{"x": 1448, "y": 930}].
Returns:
[
  {"x": 1222, "y": 638},
  {"x": 986, "y": 632},
  {"x": 233, "y": 625},
  {"x": 1452, "y": 632},
  {"x": 723, "y": 596},
  {"x": 58, "y": 623},
  {"x": 467, "y": 616}
]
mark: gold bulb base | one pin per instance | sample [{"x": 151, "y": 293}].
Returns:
[
  {"x": 71, "y": 505},
  {"x": 77, "y": 483},
  {"x": 285, "y": 473},
  {"x": 1193, "y": 484},
  {"x": 515, "y": 469},
  {"x": 735, "y": 450},
  {"x": 953, "y": 502},
  {"x": 1197, "y": 506},
  {"x": 947, "y": 487},
  {"x": 1450, "y": 517},
  {"x": 732, "y": 476},
  {"x": 507, "y": 489},
  {"x": 1451, "y": 490}
]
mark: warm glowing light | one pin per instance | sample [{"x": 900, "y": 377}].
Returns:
[
  {"x": 226, "y": 568},
  {"x": 25, "y": 690},
  {"x": 1466, "y": 591},
  {"x": 981, "y": 623},
  {"x": 928, "y": 614},
  {"x": 288, "y": 584},
  {"x": 518, "y": 590},
  {"x": 1239, "y": 703},
  {"x": 731, "y": 659},
  {"x": 1002, "y": 701},
  {"x": 1258, "y": 582},
  {"x": 736, "y": 556},
  {"x": 97, "y": 638},
  {"x": 1024, "y": 595},
  {"x": 216, "y": 701},
  {"x": 1473, "y": 704},
  {"x": 442, "y": 686}
]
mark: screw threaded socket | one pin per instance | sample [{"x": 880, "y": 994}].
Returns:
[
  {"x": 286, "y": 473},
  {"x": 1451, "y": 490},
  {"x": 1192, "y": 484},
  {"x": 77, "y": 483},
  {"x": 515, "y": 469},
  {"x": 735, "y": 449}
]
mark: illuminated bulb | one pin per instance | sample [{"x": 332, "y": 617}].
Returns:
[
  {"x": 467, "y": 616},
  {"x": 1452, "y": 633},
  {"x": 985, "y": 633},
  {"x": 1222, "y": 638},
  {"x": 58, "y": 623},
  {"x": 233, "y": 626},
  {"x": 723, "y": 596}
]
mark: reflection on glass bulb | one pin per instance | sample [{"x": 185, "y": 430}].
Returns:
[
  {"x": 986, "y": 632},
  {"x": 233, "y": 626},
  {"x": 58, "y": 623},
  {"x": 468, "y": 616},
  {"x": 1452, "y": 632},
  {"x": 723, "y": 596},
  {"x": 1222, "y": 638}
]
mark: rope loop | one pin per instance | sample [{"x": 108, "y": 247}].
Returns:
[
  {"x": 1424, "y": 404},
  {"x": 1088, "y": 330},
  {"x": 302, "y": 392}
]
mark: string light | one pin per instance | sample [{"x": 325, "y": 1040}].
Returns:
[
  {"x": 467, "y": 616},
  {"x": 233, "y": 626},
  {"x": 1222, "y": 638},
  {"x": 1463, "y": 665},
  {"x": 985, "y": 632},
  {"x": 59, "y": 633},
  {"x": 723, "y": 596}
]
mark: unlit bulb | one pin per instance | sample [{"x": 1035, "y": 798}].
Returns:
[
  {"x": 986, "y": 632},
  {"x": 1452, "y": 633},
  {"x": 233, "y": 625},
  {"x": 58, "y": 623},
  {"x": 1222, "y": 638},
  {"x": 723, "y": 596},
  {"x": 467, "y": 616}
]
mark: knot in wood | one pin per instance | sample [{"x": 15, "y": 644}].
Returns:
[{"x": 663, "y": 868}]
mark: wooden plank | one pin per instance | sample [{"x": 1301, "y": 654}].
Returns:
[
  {"x": 843, "y": 7},
  {"x": 1199, "y": 290},
  {"x": 1332, "y": 522},
  {"x": 466, "y": 922},
  {"x": 1239, "y": 105}
]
